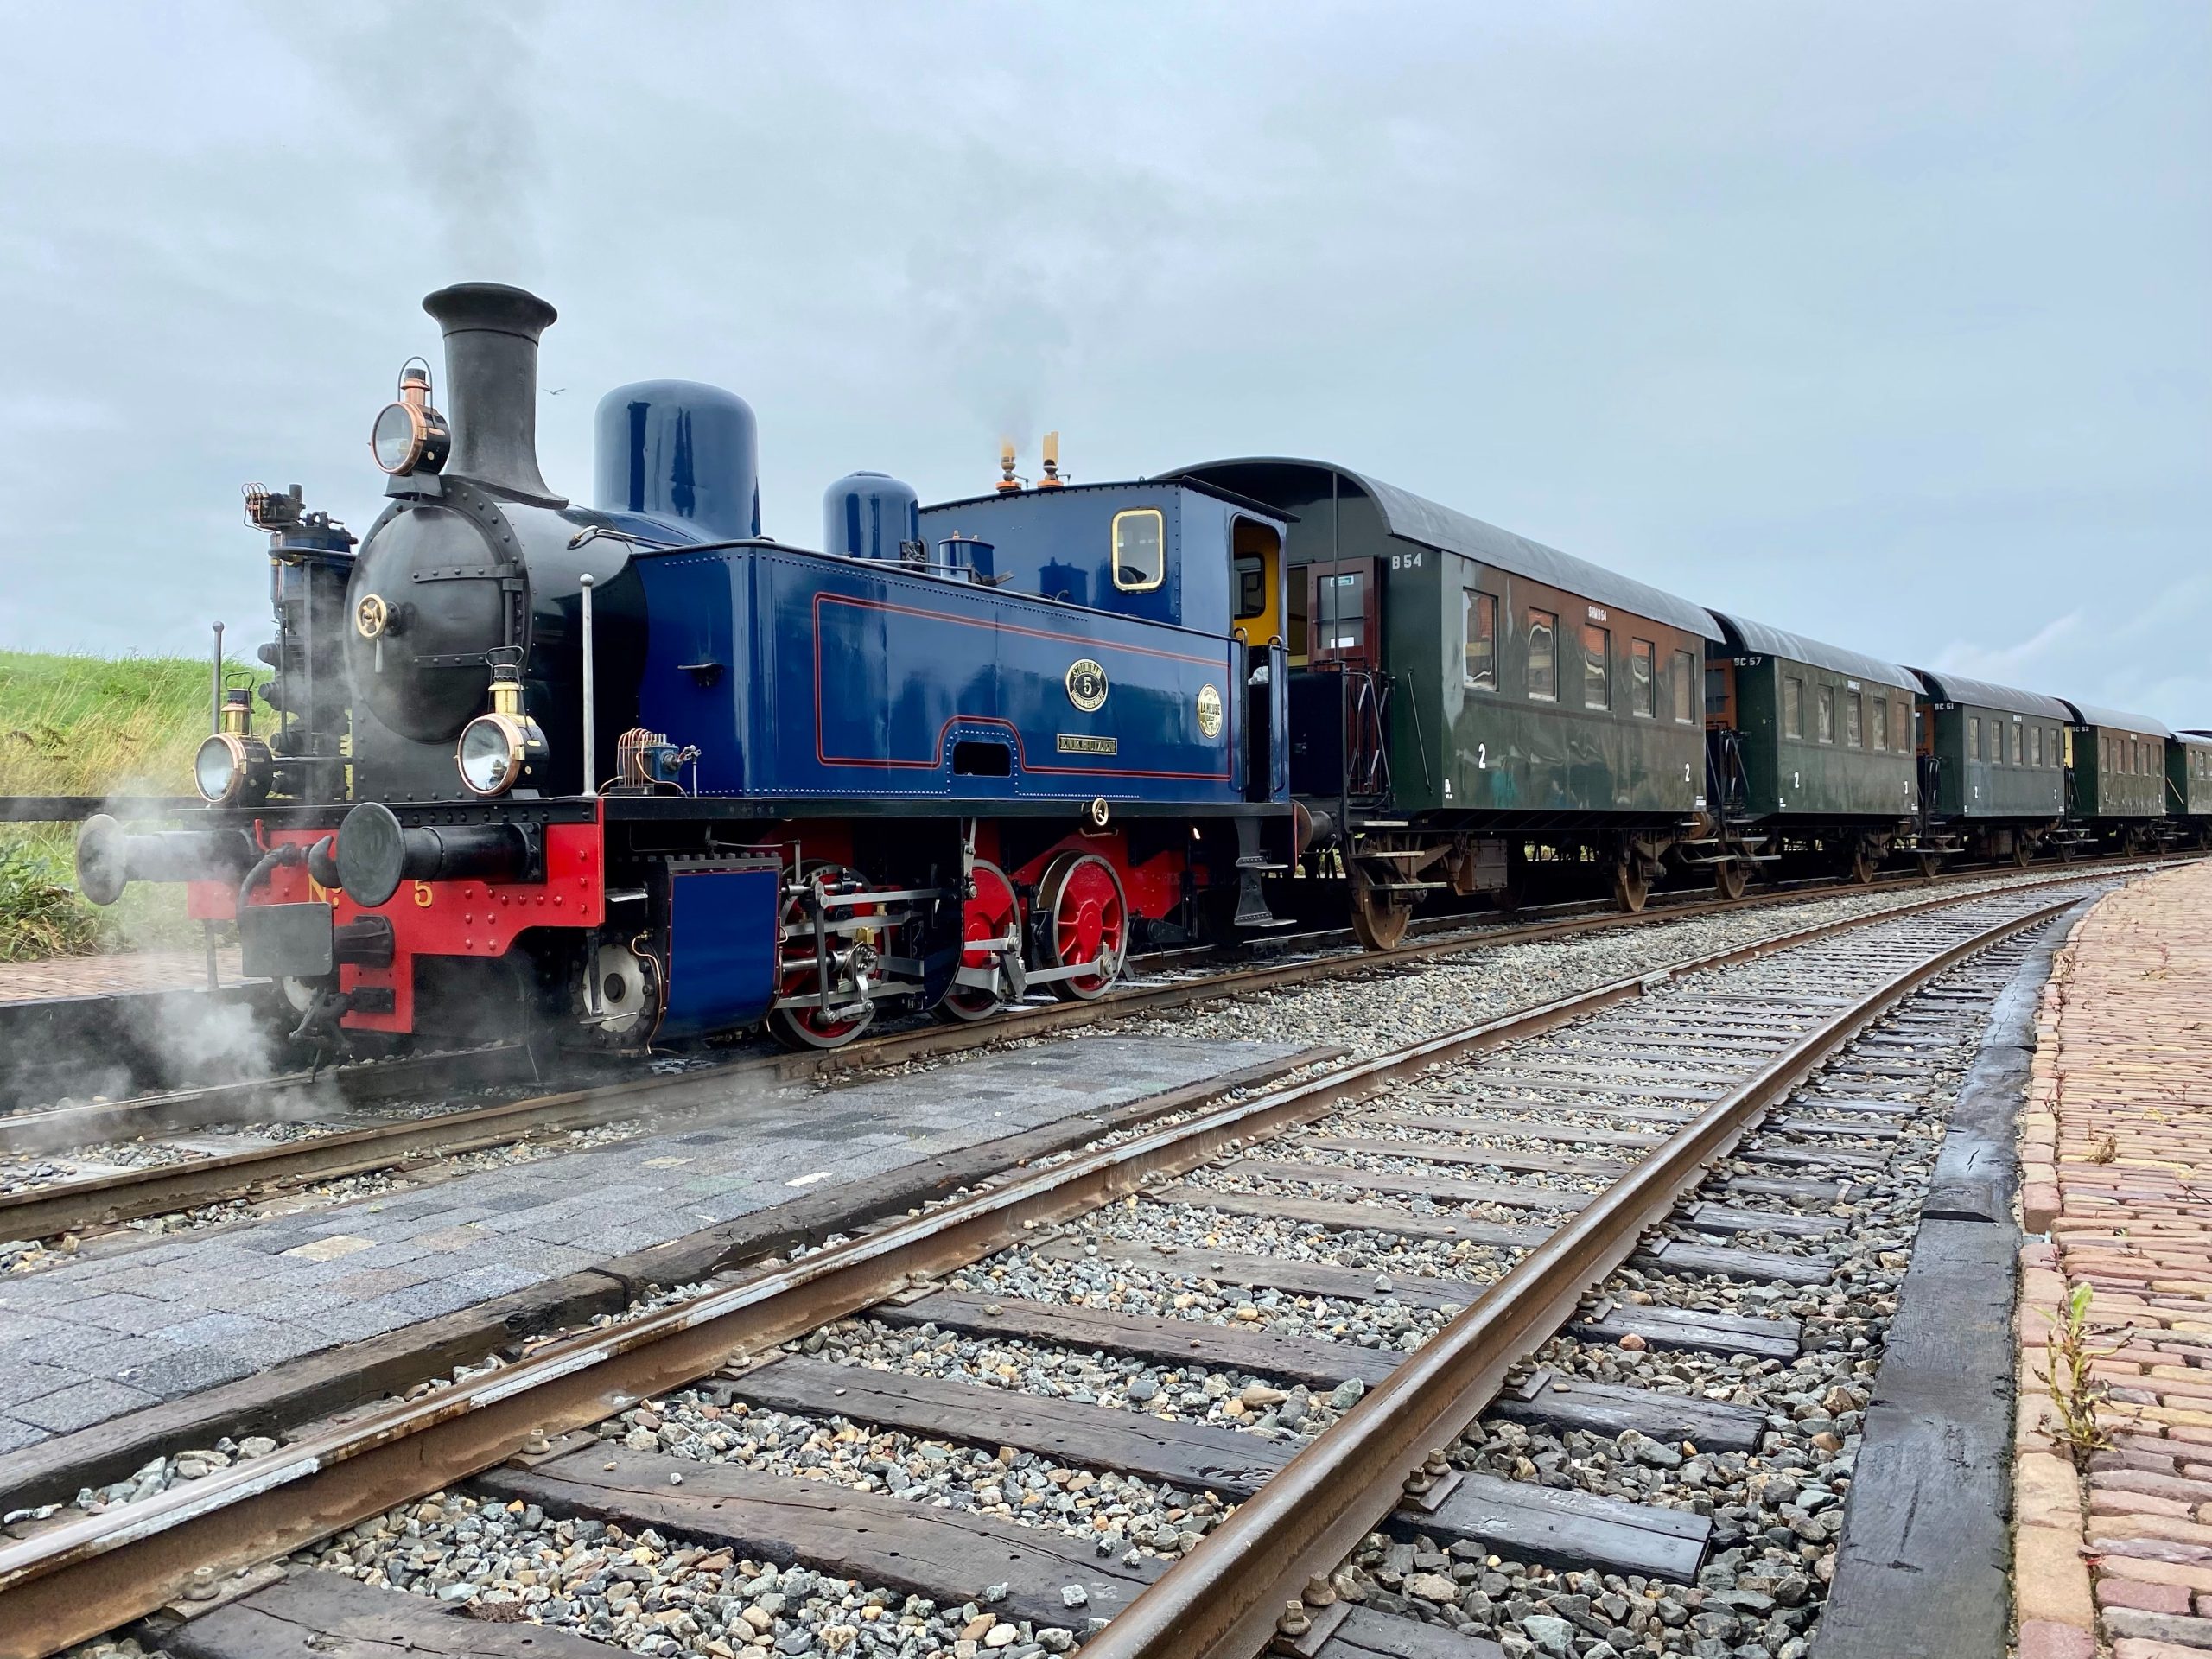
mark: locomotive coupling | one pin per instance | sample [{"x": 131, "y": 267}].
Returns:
[
  {"x": 109, "y": 858},
  {"x": 376, "y": 853}
]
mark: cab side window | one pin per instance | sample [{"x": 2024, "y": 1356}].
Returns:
[{"x": 1140, "y": 549}]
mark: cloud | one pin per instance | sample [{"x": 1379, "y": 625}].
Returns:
[{"x": 2024, "y": 659}]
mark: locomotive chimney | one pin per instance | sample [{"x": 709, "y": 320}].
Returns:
[{"x": 491, "y": 389}]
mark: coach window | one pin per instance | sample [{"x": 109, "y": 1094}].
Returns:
[
  {"x": 1596, "y": 667},
  {"x": 1879, "y": 728},
  {"x": 1826, "y": 705},
  {"x": 1974, "y": 738},
  {"x": 1685, "y": 689},
  {"x": 1480, "y": 619},
  {"x": 1793, "y": 708},
  {"x": 1642, "y": 664},
  {"x": 1140, "y": 549},
  {"x": 2016, "y": 745},
  {"x": 2035, "y": 747},
  {"x": 1853, "y": 721},
  {"x": 1543, "y": 655}
]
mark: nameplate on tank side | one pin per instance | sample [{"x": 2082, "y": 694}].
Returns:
[{"x": 1070, "y": 745}]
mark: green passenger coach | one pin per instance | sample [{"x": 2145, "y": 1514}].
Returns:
[
  {"x": 1465, "y": 697},
  {"x": 2188, "y": 782},
  {"x": 1992, "y": 762},
  {"x": 2118, "y": 784},
  {"x": 1812, "y": 752}
]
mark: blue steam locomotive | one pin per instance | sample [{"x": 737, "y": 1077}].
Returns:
[{"x": 635, "y": 770}]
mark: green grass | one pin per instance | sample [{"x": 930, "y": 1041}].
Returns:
[{"x": 72, "y": 725}]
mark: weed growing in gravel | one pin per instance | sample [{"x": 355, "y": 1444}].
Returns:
[
  {"x": 2074, "y": 1393},
  {"x": 40, "y": 914}
]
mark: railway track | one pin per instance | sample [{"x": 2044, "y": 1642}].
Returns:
[
  {"x": 205, "y": 1173},
  {"x": 1695, "y": 1125}
]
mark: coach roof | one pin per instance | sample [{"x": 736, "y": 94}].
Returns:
[
  {"x": 1412, "y": 517},
  {"x": 1749, "y": 637},
  {"x": 1957, "y": 687}
]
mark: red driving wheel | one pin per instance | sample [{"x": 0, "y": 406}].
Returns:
[
  {"x": 797, "y": 973},
  {"x": 1088, "y": 918},
  {"x": 994, "y": 913}
]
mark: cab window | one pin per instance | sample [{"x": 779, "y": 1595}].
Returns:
[
  {"x": 1479, "y": 618},
  {"x": 1140, "y": 549},
  {"x": 1251, "y": 587}
]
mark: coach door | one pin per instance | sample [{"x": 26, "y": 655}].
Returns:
[{"x": 1344, "y": 638}]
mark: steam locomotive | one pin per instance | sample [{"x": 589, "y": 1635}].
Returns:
[
  {"x": 635, "y": 772},
  {"x": 638, "y": 773}
]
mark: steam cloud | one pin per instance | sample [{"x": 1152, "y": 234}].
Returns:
[{"x": 447, "y": 91}]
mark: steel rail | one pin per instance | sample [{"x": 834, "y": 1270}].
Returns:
[
  {"x": 72, "y": 1581},
  {"x": 1227, "y": 1599},
  {"x": 162, "y": 1189}
]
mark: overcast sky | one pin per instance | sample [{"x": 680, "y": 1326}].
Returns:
[{"x": 1890, "y": 324}]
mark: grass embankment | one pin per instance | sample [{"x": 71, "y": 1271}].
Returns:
[{"x": 90, "y": 726}]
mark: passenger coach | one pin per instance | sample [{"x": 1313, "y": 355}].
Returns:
[
  {"x": 1463, "y": 698},
  {"x": 1811, "y": 750}
]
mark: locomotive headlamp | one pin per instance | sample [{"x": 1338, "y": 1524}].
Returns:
[
  {"x": 411, "y": 436},
  {"x": 496, "y": 749},
  {"x": 232, "y": 769}
]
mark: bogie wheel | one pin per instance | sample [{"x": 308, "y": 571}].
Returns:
[
  {"x": 2066, "y": 852},
  {"x": 1929, "y": 864},
  {"x": 2022, "y": 852},
  {"x": 1859, "y": 871},
  {"x": 810, "y": 1028},
  {"x": 1087, "y": 920},
  {"x": 1632, "y": 885},
  {"x": 1377, "y": 922},
  {"x": 993, "y": 913},
  {"x": 1729, "y": 881}
]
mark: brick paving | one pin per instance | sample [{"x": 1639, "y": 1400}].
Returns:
[
  {"x": 96, "y": 1339},
  {"x": 126, "y": 970},
  {"x": 2116, "y": 1154}
]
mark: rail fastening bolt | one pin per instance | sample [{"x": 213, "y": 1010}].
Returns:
[{"x": 1293, "y": 1621}]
